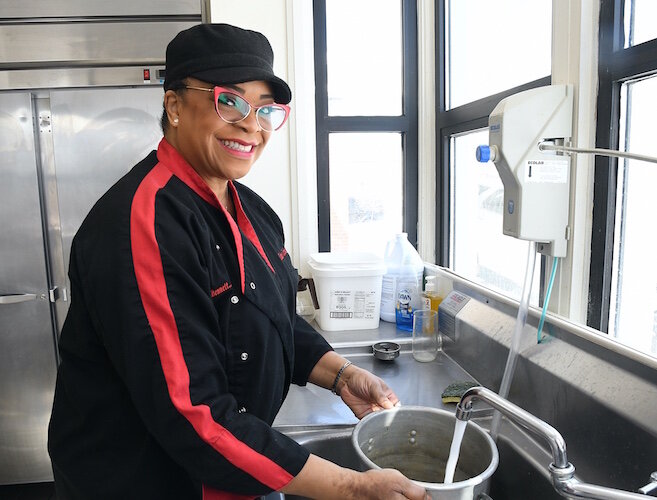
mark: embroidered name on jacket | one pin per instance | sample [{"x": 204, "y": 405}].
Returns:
[{"x": 221, "y": 289}]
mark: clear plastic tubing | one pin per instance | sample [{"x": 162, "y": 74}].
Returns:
[{"x": 521, "y": 319}]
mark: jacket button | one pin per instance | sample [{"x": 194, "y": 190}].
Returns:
[
  {"x": 217, "y": 247},
  {"x": 234, "y": 299},
  {"x": 244, "y": 356},
  {"x": 252, "y": 285}
]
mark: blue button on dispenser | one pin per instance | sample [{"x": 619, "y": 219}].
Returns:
[{"x": 483, "y": 154}]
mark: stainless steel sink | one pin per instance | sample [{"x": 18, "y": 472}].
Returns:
[
  {"x": 518, "y": 477},
  {"x": 522, "y": 472},
  {"x": 320, "y": 422}
]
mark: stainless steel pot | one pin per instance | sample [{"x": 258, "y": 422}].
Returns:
[{"x": 416, "y": 441}]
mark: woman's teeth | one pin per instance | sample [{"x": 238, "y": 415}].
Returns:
[{"x": 244, "y": 148}]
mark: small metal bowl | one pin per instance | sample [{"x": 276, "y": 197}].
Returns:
[{"x": 385, "y": 351}]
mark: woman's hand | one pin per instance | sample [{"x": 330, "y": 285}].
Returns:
[
  {"x": 364, "y": 393},
  {"x": 390, "y": 483},
  {"x": 359, "y": 389},
  {"x": 325, "y": 480}
]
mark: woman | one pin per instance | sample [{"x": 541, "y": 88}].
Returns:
[{"x": 182, "y": 339}]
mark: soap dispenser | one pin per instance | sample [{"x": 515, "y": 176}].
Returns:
[{"x": 430, "y": 298}]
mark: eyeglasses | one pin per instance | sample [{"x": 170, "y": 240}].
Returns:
[{"x": 233, "y": 108}]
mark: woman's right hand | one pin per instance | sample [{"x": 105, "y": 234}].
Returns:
[{"x": 324, "y": 480}]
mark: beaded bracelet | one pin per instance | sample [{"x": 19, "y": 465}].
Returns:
[{"x": 337, "y": 377}]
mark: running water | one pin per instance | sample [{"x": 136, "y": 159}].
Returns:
[{"x": 450, "y": 468}]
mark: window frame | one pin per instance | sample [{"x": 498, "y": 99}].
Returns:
[
  {"x": 465, "y": 118},
  {"x": 406, "y": 124},
  {"x": 616, "y": 65}
]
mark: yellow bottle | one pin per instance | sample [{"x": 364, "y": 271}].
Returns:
[{"x": 430, "y": 297}]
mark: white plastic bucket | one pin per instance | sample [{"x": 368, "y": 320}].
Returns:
[{"x": 348, "y": 286}]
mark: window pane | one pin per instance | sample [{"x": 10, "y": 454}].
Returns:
[
  {"x": 479, "y": 249},
  {"x": 366, "y": 190},
  {"x": 633, "y": 309},
  {"x": 494, "y": 46},
  {"x": 364, "y": 57},
  {"x": 640, "y": 25}
]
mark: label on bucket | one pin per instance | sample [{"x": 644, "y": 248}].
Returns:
[{"x": 348, "y": 304}]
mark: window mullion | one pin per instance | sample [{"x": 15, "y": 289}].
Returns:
[{"x": 321, "y": 114}]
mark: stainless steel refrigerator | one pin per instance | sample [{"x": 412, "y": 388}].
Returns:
[{"x": 80, "y": 103}]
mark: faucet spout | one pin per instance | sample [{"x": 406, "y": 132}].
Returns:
[
  {"x": 562, "y": 471},
  {"x": 519, "y": 416}
]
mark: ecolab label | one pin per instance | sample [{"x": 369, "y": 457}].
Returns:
[{"x": 546, "y": 171}]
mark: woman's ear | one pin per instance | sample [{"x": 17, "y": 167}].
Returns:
[{"x": 172, "y": 106}]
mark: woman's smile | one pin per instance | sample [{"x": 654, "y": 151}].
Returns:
[{"x": 238, "y": 148}]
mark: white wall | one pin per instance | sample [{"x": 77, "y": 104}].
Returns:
[
  {"x": 575, "y": 60},
  {"x": 426, "y": 231}
]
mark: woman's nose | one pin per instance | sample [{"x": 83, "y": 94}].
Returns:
[{"x": 250, "y": 123}]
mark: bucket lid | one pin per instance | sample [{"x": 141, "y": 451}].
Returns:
[{"x": 337, "y": 261}]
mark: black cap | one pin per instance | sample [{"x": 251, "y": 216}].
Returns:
[{"x": 222, "y": 54}]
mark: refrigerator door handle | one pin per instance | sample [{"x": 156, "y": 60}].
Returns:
[
  {"x": 15, "y": 299},
  {"x": 57, "y": 293}
]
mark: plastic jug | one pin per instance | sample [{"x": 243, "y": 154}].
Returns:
[{"x": 401, "y": 287}]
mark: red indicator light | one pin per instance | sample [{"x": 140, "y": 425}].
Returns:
[{"x": 147, "y": 74}]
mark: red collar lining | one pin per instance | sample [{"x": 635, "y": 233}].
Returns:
[{"x": 245, "y": 224}]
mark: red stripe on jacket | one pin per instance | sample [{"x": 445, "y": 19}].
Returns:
[
  {"x": 210, "y": 494},
  {"x": 153, "y": 291}
]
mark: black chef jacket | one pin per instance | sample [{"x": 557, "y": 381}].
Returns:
[{"x": 179, "y": 346}]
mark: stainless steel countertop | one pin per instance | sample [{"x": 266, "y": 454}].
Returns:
[{"x": 415, "y": 383}]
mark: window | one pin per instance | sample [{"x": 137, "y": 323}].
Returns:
[
  {"x": 366, "y": 112},
  {"x": 623, "y": 280},
  {"x": 366, "y": 189},
  {"x": 639, "y": 21},
  {"x": 364, "y": 59},
  {"x": 495, "y": 46},
  {"x": 633, "y": 314},
  {"x": 471, "y": 81}
]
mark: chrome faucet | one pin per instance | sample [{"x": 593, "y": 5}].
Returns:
[
  {"x": 562, "y": 471},
  {"x": 651, "y": 486}
]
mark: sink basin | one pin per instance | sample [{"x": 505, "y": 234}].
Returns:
[
  {"x": 522, "y": 471},
  {"x": 519, "y": 478}
]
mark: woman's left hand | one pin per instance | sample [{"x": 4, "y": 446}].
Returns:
[{"x": 365, "y": 393}]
